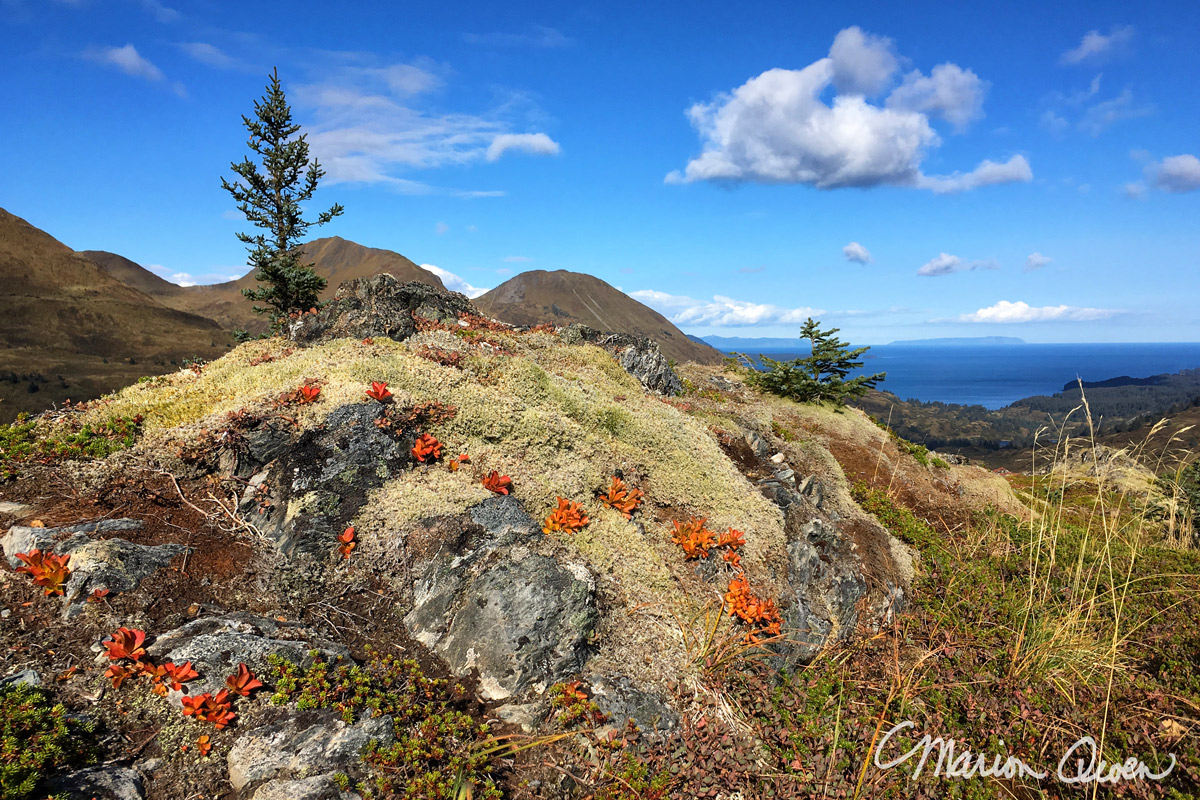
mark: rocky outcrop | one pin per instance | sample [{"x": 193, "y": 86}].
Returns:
[
  {"x": 485, "y": 601},
  {"x": 638, "y": 356},
  {"x": 99, "y": 783},
  {"x": 113, "y": 564},
  {"x": 378, "y": 307}
]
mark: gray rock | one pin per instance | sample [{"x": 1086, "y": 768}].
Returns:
[
  {"x": 377, "y": 307},
  {"x": 216, "y": 645},
  {"x": 15, "y": 509},
  {"x": 29, "y": 677},
  {"x": 826, "y": 582},
  {"x": 620, "y": 700},
  {"x": 113, "y": 564},
  {"x": 318, "y": 787},
  {"x": 100, "y": 783},
  {"x": 758, "y": 444},
  {"x": 638, "y": 356},
  {"x": 302, "y": 745}
]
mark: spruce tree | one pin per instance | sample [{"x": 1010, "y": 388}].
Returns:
[
  {"x": 271, "y": 200},
  {"x": 822, "y": 377}
]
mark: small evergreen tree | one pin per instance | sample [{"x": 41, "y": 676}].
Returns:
[
  {"x": 271, "y": 200},
  {"x": 823, "y": 375}
]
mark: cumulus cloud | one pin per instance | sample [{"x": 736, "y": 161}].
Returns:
[
  {"x": 538, "y": 144},
  {"x": 128, "y": 60},
  {"x": 862, "y": 63},
  {"x": 857, "y": 253},
  {"x": 721, "y": 311},
  {"x": 1176, "y": 173},
  {"x": 453, "y": 282},
  {"x": 1096, "y": 46},
  {"x": 1015, "y": 170},
  {"x": 1008, "y": 312},
  {"x": 368, "y": 125},
  {"x": 946, "y": 264},
  {"x": 950, "y": 92},
  {"x": 1036, "y": 261},
  {"x": 777, "y": 128}
]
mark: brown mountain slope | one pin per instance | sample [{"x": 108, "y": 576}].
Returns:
[
  {"x": 563, "y": 297},
  {"x": 334, "y": 258},
  {"x": 61, "y": 315}
]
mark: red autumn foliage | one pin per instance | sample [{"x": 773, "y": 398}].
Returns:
[
  {"x": 243, "y": 682},
  {"x": 47, "y": 570},
  {"x": 732, "y": 538},
  {"x": 760, "y": 615},
  {"x": 217, "y": 710},
  {"x": 348, "y": 543},
  {"x": 567, "y": 518},
  {"x": 98, "y": 595},
  {"x": 693, "y": 537},
  {"x": 176, "y": 675},
  {"x": 118, "y": 674},
  {"x": 622, "y": 498},
  {"x": 500, "y": 484},
  {"x": 204, "y": 745},
  {"x": 308, "y": 393},
  {"x": 126, "y": 643},
  {"x": 427, "y": 447},
  {"x": 447, "y": 358},
  {"x": 379, "y": 391}
]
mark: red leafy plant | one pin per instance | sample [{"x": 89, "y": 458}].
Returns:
[
  {"x": 455, "y": 463},
  {"x": 243, "y": 682},
  {"x": 97, "y": 595},
  {"x": 175, "y": 675},
  {"x": 348, "y": 542},
  {"x": 204, "y": 745},
  {"x": 304, "y": 394},
  {"x": 216, "y": 709},
  {"x": 762, "y": 617},
  {"x": 568, "y": 517},
  {"x": 126, "y": 643},
  {"x": 427, "y": 446},
  {"x": 622, "y": 498},
  {"x": 495, "y": 482},
  {"x": 48, "y": 570},
  {"x": 693, "y": 537},
  {"x": 379, "y": 391}
]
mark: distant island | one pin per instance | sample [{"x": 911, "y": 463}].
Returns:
[{"x": 952, "y": 341}]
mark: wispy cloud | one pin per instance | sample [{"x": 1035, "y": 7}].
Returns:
[
  {"x": 777, "y": 128},
  {"x": 1010, "y": 312},
  {"x": 1101, "y": 116},
  {"x": 453, "y": 282},
  {"x": 539, "y": 36},
  {"x": 441, "y": 228},
  {"x": 721, "y": 311},
  {"x": 946, "y": 264},
  {"x": 1036, "y": 261},
  {"x": 128, "y": 60},
  {"x": 212, "y": 56},
  {"x": 857, "y": 253},
  {"x": 537, "y": 144},
  {"x": 1096, "y": 46}
]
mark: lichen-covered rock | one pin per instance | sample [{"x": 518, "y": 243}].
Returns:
[
  {"x": 302, "y": 745},
  {"x": 318, "y": 787},
  {"x": 113, "y": 564},
  {"x": 639, "y": 356},
  {"x": 99, "y": 783},
  {"x": 376, "y": 307},
  {"x": 216, "y": 645},
  {"x": 620, "y": 700},
  {"x": 483, "y": 601}
]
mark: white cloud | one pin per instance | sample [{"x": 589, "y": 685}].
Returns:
[
  {"x": 721, "y": 311},
  {"x": 210, "y": 55},
  {"x": 1176, "y": 173},
  {"x": 440, "y": 228},
  {"x": 1015, "y": 170},
  {"x": 538, "y": 144},
  {"x": 161, "y": 13},
  {"x": 777, "y": 128},
  {"x": 856, "y": 252},
  {"x": 453, "y": 282},
  {"x": 127, "y": 59},
  {"x": 1036, "y": 261},
  {"x": 1104, "y": 114},
  {"x": 183, "y": 279},
  {"x": 950, "y": 92},
  {"x": 946, "y": 264},
  {"x": 1095, "y": 46},
  {"x": 541, "y": 36},
  {"x": 1135, "y": 190},
  {"x": 1054, "y": 122},
  {"x": 862, "y": 63},
  {"x": 1008, "y": 312},
  {"x": 517, "y": 259}
]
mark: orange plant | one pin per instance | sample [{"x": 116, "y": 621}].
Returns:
[
  {"x": 176, "y": 675},
  {"x": 455, "y": 463},
  {"x": 693, "y": 537},
  {"x": 204, "y": 745},
  {"x": 47, "y": 569},
  {"x": 427, "y": 447},
  {"x": 760, "y": 615},
  {"x": 732, "y": 538},
  {"x": 308, "y": 393},
  {"x": 348, "y": 543},
  {"x": 217, "y": 710},
  {"x": 495, "y": 482},
  {"x": 97, "y": 595},
  {"x": 126, "y": 643},
  {"x": 567, "y": 518},
  {"x": 118, "y": 674},
  {"x": 379, "y": 391},
  {"x": 622, "y": 498},
  {"x": 243, "y": 682}
]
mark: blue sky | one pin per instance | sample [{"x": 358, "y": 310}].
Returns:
[{"x": 897, "y": 170}]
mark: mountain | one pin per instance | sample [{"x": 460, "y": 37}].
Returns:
[
  {"x": 71, "y": 329},
  {"x": 563, "y": 297},
  {"x": 335, "y": 259}
]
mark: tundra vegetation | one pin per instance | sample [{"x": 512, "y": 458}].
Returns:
[{"x": 1042, "y": 607}]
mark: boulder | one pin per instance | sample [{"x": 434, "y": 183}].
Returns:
[
  {"x": 379, "y": 306},
  {"x": 99, "y": 783},
  {"x": 825, "y": 578},
  {"x": 318, "y": 787},
  {"x": 638, "y": 356}
]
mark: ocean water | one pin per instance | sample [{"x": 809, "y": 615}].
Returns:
[{"x": 996, "y": 375}]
